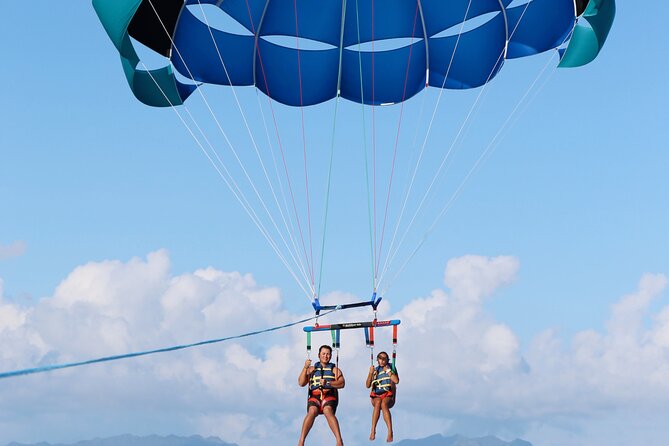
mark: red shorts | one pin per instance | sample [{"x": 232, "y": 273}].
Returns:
[
  {"x": 386, "y": 394},
  {"x": 322, "y": 401}
]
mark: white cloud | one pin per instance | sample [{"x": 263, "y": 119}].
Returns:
[
  {"x": 14, "y": 249},
  {"x": 455, "y": 359}
]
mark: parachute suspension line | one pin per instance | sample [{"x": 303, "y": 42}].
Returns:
[
  {"x": 376, "y": 259},
  {"x": 454, "y": 144},
  {"x": 364, "y": 145},
  {"x": 52, "y": 367},
  {"x": 491, "y": 146},
  {"x": 397, "y": 139},
  {"x": 229, "y": 181},
  {"x": 304, "y": 146},
  {"x": 295, "y": 252},
  {"x": 332, "y": 146},
  {"x": 229, "y": 143},
  {"x": 291, "y": 230},
  {"x": 391, "y": 253},
  {"x": 486, "y": 154},
  {"x": 280, "y": 144}
]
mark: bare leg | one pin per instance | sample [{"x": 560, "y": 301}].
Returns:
[
  {"x": 334, "y": 424},
  {"x": 386, "y": 404},
  {"x": 308, "y": 422},
  {"x": 376, "y": 402}
]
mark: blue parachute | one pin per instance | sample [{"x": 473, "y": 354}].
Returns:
[{"x": 455, "y": 44}]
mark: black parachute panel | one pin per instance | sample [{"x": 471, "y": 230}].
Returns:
[
  {"x": 154, "y": 23},
  {"x": 580, "y": 6}
]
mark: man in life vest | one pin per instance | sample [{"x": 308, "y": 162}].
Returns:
[
  {"x": 324, "y": 380},
  {"x": 382, "y": 379}
]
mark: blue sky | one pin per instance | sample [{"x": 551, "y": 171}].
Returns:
[{"x": 560, "y": 230}]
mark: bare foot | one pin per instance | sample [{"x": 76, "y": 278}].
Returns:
[
  {"x": 389, "y": 439},
  {"x": 372, "y": 436}
]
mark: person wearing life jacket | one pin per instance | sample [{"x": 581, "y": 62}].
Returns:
[
  {"x": 324, "y": 380},
  {"x": 383, "y": 380}
]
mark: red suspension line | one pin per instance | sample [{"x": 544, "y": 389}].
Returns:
[
  {"x": 397, "y": 138},
  {"x": 376, "y": 260},
  {"x": 283, "y": 155},
  {"x": 304, "y": 146}
]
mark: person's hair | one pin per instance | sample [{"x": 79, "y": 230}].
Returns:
[
  {"x": 382, "y": 353},
  {"x": 327, "y": 347}
]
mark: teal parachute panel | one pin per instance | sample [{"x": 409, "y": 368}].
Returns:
[
  {"x": 588, "y": 38},
  {"x": 159, "y": 87}
]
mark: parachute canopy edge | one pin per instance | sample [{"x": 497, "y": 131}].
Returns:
[
  {"x": 159, "y": 87},
  {"x": 588, "y": 39}
]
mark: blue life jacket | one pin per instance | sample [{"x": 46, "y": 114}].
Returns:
[
  {"x": 321, "y": 376},
  {"x": 381, "y": 383}
]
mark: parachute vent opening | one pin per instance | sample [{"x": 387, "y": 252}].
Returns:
[
  {"x": 218, "y": 19},
  {"x": 382, "y": 45},
  {"x": 467, "y": 25},
  {"x": 300, "y": 43}
]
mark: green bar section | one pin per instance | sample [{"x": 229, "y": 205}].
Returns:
[{"x": 588, "y": 39}]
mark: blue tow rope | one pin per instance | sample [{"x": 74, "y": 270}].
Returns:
[{"x": 49, "y": 368}]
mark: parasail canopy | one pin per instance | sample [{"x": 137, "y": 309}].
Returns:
[{"x": 354, "y": 49}]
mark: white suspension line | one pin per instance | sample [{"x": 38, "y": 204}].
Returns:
[
  {"x": 255, "y": 147},
  {"x": 228, "y": 181},
  {"x": 225, "y": 136},
  {"x": 364, "y": 141},
  {"x": 455, "y": 140},
  {"x": 278, "y": 178},
  {"x": 229, "y": 143},
  {"x": 435, "y": 178},
  {"x": 490, "y": 148},
  {"x": 422, "y": 151}
]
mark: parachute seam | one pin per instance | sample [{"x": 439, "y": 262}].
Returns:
[
  {"x": 256, "y": 36},
  {"x": 425, "y": 39}
]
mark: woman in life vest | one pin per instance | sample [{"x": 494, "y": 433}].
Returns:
[
  {"x": 382, "y": 379},
  {"x": 324, "y": 380}
]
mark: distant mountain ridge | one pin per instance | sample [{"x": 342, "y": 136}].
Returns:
[
  {"x": 132, "y": 440},
  {"x": 459, "y": 440},
  {"x": 196, "y": 440}
]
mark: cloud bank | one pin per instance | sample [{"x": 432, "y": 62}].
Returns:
[
  {"x": 462, "y": 371},
  {"x": 14, "y": 249}
]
